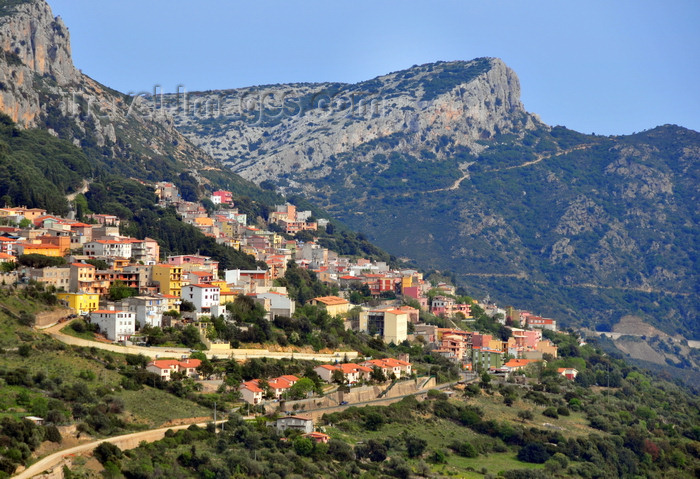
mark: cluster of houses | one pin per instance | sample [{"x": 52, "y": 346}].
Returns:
[
  {"x": 255, "y": 391},
  {"x": 475, "y": 350},
  {"x": 165, "y": 368},
  {"x": 163, "y": 284}
]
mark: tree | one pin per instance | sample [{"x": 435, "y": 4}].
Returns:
[
  {"x": 533, "y": 452},
  {"x": 303, "y": 446},
  {"x": 485, "y": 380},
  {"x": 525, "y": 414},
  {"x": 377, "y": 451},
  {"x": 53, "y": 434},
  {"x": 118, "y": 291},
  {"x": 374, "y": 421},
  {"x": 107, "y": 451},
  {"x": 415, "y": 446},
  {"x": 301, "y": 388},
  {"x": 338, "y": 377},
  {"x": 26, "y": 319},
  {"x": 377, "y": 375}
]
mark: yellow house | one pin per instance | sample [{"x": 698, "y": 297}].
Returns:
[
  {"x": 547, "y": 347},
  {"x": 172, "y": 301},
  {"x": 80, "y": 302},
  {"x": 406, "y": 282},
  {"x": 226, "y": 297},
  {"x": 226, "y": 228},
  {"x": 222, "y": 285},
  {"x": 40, "y": 248},
  {"x": 203, "y": 221},
  {"x": 169, "y": 277},
  {"x": 332, "y": 304}
]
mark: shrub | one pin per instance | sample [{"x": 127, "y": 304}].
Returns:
[
  {"x": 550, "y": 412},
  {"x": 107, "y": 451},
  {"x": 534, "y": 452},
  {"x": 465, "y": 449},
  {"x": 415, "y": 446},
  {"x": 53, "y": 434}
]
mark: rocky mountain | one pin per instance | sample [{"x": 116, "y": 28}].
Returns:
[
  {"x": 41, "y": 88},
  {"x": 441, "y": 163}
]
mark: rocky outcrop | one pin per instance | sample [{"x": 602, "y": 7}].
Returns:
[
  {"x": 33, "y": 43},
  {"x": 40, "y": 87},
  {"x": 266, "y": 133}
]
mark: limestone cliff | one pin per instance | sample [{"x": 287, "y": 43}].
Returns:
[
  {"x": 302, "y": 125},
  {"x": 40, "y": 87}
]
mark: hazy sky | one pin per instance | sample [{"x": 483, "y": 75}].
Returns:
[{"x": 609, "y": 67}]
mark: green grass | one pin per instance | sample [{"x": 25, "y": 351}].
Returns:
[
  {"x": 575, "y": 425},
  {"x": 457, "y": 466},
  {"x": 155, "y": 407},
  {"x": 68, "y": 331}
]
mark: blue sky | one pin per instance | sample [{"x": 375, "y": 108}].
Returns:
[{"x": 609, "y": 67}]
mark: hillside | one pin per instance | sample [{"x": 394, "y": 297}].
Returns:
[
  {"x": 120, "y": 134},
  {"x": 441, "y": 163},
  {"x": 611, "y": 421},
  {"x": 64, "y": 132}
]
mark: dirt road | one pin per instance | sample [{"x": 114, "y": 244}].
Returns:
[{"x": 127, "y": 441}]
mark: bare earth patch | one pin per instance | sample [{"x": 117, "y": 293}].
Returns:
[{"x": 634, "y": 325}]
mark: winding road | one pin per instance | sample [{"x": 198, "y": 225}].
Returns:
[
  {"x": 155, "y": 352},
  {"x": 126, "y": 441}
]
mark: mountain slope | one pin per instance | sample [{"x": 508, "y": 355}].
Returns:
[
  {"x": 120, "y": 134},
  {"x": 441, "y": 163}
]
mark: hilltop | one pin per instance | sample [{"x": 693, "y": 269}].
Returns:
[{"x": 441, "y": 163}]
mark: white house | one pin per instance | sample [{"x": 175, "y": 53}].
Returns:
[
  {"x": 111, "y": 248},
  {"x": 115, "y": 325},
  {"x": 280, "y": 304},
  {"x": 148, "y": 310},
  {"x": 165, "y": 367},
  {"x": 203, "y": 296},
  {"x": 300, "y": 423},
  {"x": 251, "y": 393}
]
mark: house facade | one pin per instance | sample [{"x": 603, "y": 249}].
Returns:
[{"x": 115, "y": 325}]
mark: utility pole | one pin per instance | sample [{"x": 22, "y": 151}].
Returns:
[{"x": 214, "y": 417}]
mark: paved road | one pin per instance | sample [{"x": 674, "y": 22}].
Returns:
[
  {"x": 126, "y": 441},
  {"x": 154, "y": 352}
]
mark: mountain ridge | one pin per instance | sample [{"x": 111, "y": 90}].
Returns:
[{"x": 520, "y": 209}]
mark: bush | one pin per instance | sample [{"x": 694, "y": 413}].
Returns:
[
  {"x": 534, "y": 452},
  {"x": 465, "y": 449},
  {"x": 550, "y": 412},
  {"x": 107, "y": 451},
  {"x": 439, "y": 456},
  {"x": 415, "y": 446},
  {"x": 53, "y": 434},
  {"x": 78, "y": 326}
]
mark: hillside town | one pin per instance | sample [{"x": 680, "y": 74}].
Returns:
[{"x": 122, "y": 285}]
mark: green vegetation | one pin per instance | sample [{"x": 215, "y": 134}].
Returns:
[
  {"x": 38, "y": 170},
  {"x": 562, "y": 228},
  {"x": 87, "y": 387},
  {"x": 641, "y": 427}
]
